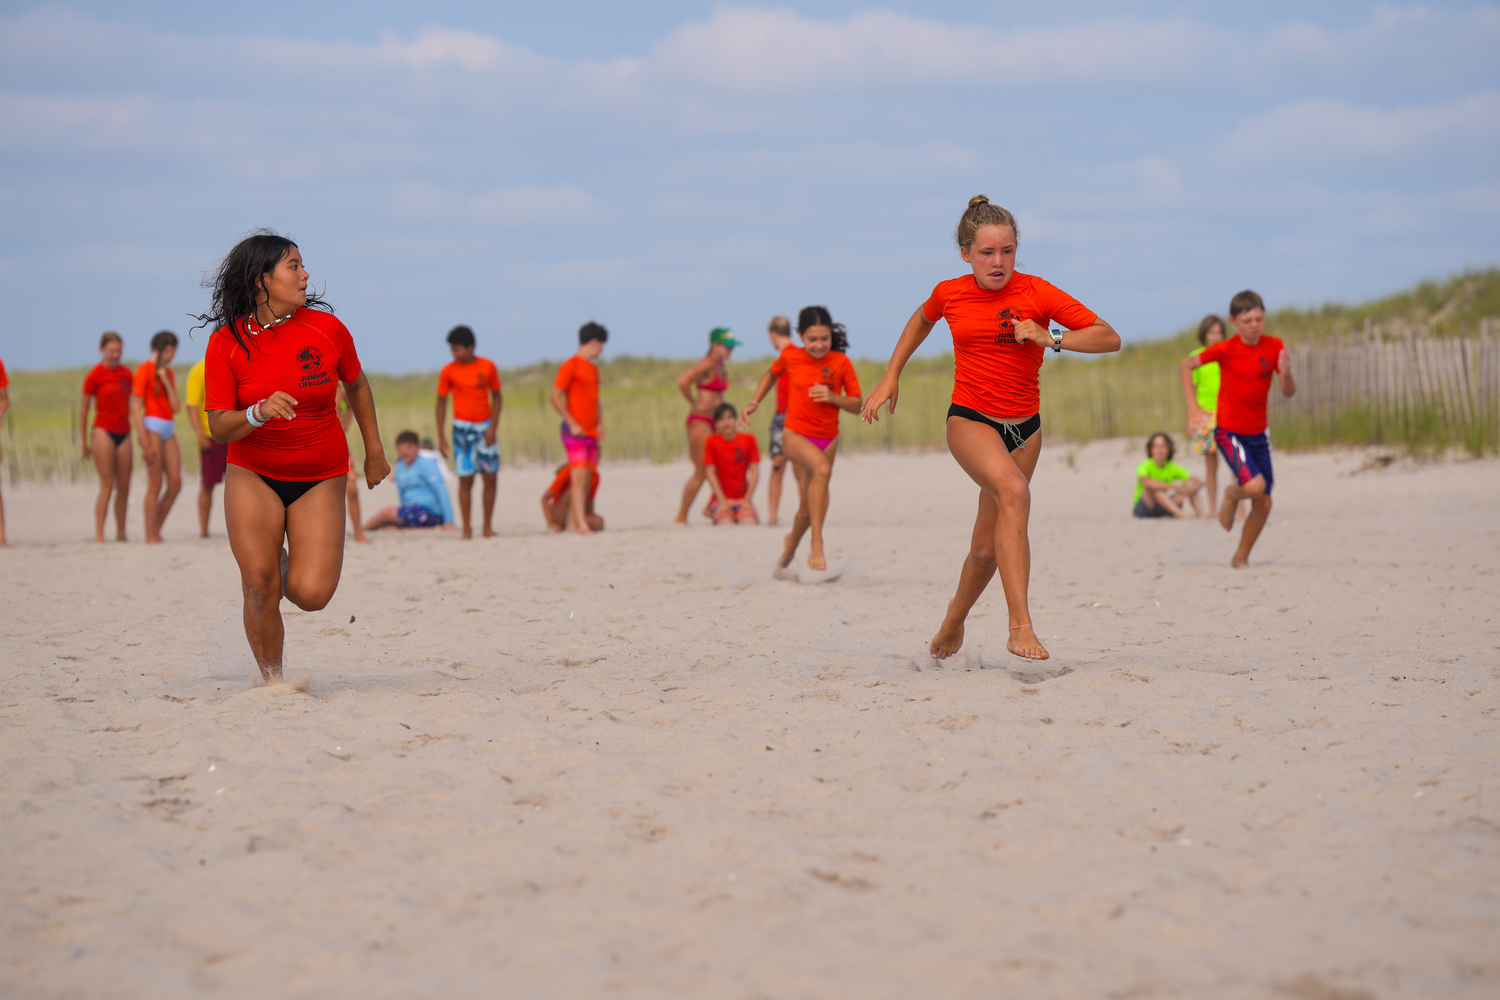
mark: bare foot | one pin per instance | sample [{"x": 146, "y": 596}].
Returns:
[
  {"x": 816, "y": 561},
  {"x": 585, "y": 530},
  {"x": 154, "y": 541},
  {"x": 468, "y": 533},
  {"x": 1227, "y": 511},
  {"x": 490, "y": 532},
  {"x": 772, "y": 523},
  {"x": 1023, "y": 642},
  {"x": 788, "y": 549},
  {"x": 99, "y": 538},
  {"x": 1239, "y": 563},
  {"x": 362, "y": 538},
  {"x": 949, "y": 639},
  {"x": 679, "y": 520}
]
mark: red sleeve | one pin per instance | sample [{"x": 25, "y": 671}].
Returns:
[
  {"x": 564, "y": 378},
  {"x": 778, "y": 367},
  {"x": 754, "y": 449},
  {"x": 1214, "y": 352},
  {"x": 494, "y": 378},
  {"x": 142, "y": 379},
  {"x": 851, "y": 380},
  {"x": 219, "y": 391},
  {"x": 91, "y": 382},
  {"x": 445, "y": 384},
  {"x": 1062, "y": 307},
  {"x": 349, "y": 367},
  {"x": 932, "y": 309},
  {"x": 711, "y": 453}
]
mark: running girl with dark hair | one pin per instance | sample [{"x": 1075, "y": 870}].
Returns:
[
  {"x": 703, "y": 386},
  {"x": 999, "y": 320},
  {"x": 822, "y": 382},
  {"x": 274, "y": 359},
  {"x": 153, "y": 411},
  {"x": 107, "y": 439}
]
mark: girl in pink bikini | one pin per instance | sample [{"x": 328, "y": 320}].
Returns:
[
  {"x": 822, "y": 384},
  {"x": 703, "y": 387}
]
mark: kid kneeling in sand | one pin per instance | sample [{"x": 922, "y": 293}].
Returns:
[
  {"x": 727, "y": 456},
  {"x": 1161, "y": 485},
  {"x": 1246, "y": 363},
  {"x": 424, "y": 497},
  {"x": 555, "y": 502}
]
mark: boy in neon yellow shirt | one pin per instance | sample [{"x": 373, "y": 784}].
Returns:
[
  {"x": 212, "y": 456},
  {"x": 1161, "y": 485}
]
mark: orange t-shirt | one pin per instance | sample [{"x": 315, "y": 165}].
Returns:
[
  {"x": 992, "y": 373},
  {"x": 564, "y": 482},
  {"x": 146, "y": 385},
  {"x": 471, "y": 385},
  {"x": 1244, "y": 381},
  {"x": 304, "y": 357},
  {"x": 731, "y": 461},
  {"x": 579, "y": 378},
  {"x": 810, "y": 419},
  {"x": 110, "y": 388}
]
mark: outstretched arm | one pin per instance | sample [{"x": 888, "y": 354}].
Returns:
[
  {"x": 362, "y": 403},
  {"x": 888, "y": 388},
  {"x": 761, "y": 388},
  {"x": 1190, "y": 392}
]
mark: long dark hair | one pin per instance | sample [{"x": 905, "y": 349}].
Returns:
[
  {"x": 160, "y": 342},
  {"x": 239, "y": 280},
  {"x": 819, "y": 316}
]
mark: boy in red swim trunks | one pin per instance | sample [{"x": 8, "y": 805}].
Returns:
[
  {"x": 727, "y": 457},
  {"x": 1246, "y": 363},
  {"x": 575, "y": 396},
  {"x": 555, "y": 501}
]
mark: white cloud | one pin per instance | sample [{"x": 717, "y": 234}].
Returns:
[
  {"x": 518, "y": 205},
  {"x": 748, "y": 51},
  {"x": 1322, "y": 132}
]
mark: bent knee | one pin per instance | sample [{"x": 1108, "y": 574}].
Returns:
[
  {"x": 983, "y": 557},
  {"x": 309, "y": 601}
]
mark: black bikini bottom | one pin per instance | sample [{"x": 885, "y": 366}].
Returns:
[
  {"x": 291, "y": 491},
  {"x": 1015, "y": 435},
  {"x": 118, "y": 439}
]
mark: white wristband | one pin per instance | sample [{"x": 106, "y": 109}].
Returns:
[{"x": 250, "y": 412}]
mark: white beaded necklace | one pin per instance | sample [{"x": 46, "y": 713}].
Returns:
[{"x": 274, "y": 322}]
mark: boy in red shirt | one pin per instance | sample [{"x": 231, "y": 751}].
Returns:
[
  {"x": 727, "y": 456},
  {"x": 475, "y": 386},
  {"x": 1246, "y": 363},
  {"x": 575, "y": 396},
  {"x": 780, "y": 332}
]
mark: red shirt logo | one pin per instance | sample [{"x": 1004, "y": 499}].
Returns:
[
  {"x": 1007, "y": 321},
  {"x": 310, "y": 360}
]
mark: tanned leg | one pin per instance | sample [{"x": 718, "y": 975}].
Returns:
[
  {"x": 489, "y": 502},
  {"x": 577, "y": 495},
  {"x": 205, "y": 508},
  {"x": 102, "y": 449},
  {"x": 773, "y": 487},
  {"x": 351, "y": 500},
  {"x": 124, "y": 466},
  {"x": 801, "y": 521},
  {"x": 465, "y": 500},
  {"x": 153, "y": 489},
  {"x": 257, "y": 524},
  {"x": 171, "y": 460},
  {"x": 1260, "y": 509},
  {"x": 697, "y": 433},
  {"x": 1006, "y": 476}
]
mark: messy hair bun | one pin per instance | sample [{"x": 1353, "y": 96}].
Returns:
[{"x": 979, "y": 214}]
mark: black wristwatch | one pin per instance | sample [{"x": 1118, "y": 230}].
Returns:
[{"x": 1056, "y": 340}]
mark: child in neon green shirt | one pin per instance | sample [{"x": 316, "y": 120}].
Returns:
[{"x": 1162, "y": 486}]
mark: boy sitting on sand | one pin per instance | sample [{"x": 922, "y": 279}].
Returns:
[
  {"x": 555, "y": 501},
  {"x": 1161, "y": 485},
  {"x": 419, "y": 484},
  {"x": 726, "y": 457},
  {"x": 1247, "y": 361}
]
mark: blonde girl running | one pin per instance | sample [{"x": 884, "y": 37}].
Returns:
[{"x": 999, "y": 320}]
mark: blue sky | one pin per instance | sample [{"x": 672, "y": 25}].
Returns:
[{"x": 666, "y": 167}]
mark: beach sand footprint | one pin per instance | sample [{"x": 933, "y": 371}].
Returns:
[{"x": 1036, "y": 671}]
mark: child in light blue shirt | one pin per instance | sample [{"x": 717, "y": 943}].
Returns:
[{"x": 424, "y": 496}]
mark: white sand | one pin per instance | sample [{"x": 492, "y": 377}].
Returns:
[{"x": 636, "y": 766}]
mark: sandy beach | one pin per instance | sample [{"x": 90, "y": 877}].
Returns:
[{"x": 638, "y": 766}]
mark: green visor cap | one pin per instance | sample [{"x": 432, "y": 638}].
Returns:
[{"x": 722, "y": 335}]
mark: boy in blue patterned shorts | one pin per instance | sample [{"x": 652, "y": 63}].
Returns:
[{"x": 475, "y": 386}]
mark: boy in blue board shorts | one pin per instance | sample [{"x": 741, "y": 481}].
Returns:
[
  {"x": 474, "y": 385},
  {"x": 1247, "y": 362}
]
